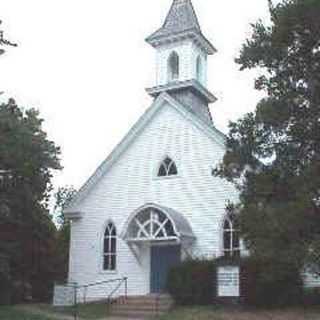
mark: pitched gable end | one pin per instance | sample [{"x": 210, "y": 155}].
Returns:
[{"x": 72, "y": 211}]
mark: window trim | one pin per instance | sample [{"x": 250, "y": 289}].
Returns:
[
  {"x": 103, "y": 254},
  {"x": 231, "y": 251},
  {"x": 167, "y": 176},
  {"x": 170, "y": 71},
  {"x": 199, "y": 68}
]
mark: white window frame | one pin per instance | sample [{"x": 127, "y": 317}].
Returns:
[
  {"x": 232, "y": 250},
  {"x": 172, "y": 75},
  {"x": 109, "y": 253},
  {"x": 199, "y": 69},
  {"x": 167, "y": 168},
  {"x": 156, "y": 227}
]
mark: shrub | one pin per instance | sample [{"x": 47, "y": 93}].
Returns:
[
  {"x": 311, "y": 296},
  {"x": 193, "y": 282},
  {"x": 5, "y": 289},
  {"x": 271, "y": 283}
]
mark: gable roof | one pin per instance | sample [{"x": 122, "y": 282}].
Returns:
[{"x": 209, "y": 130}]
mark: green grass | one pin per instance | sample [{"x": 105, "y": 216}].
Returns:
[
  {"x": 98, "y": 311},
  {"x": 12, "y": 313},
  {"x": 86, "y": 311},
  {"x": 91, "y": 311},
  {"x": 227, "y": 313}
]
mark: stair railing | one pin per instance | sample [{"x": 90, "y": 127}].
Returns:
[
  {"x": 122, "y": 282},
  {"x": 76, "y": 288}
]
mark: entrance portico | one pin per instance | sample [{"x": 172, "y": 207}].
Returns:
[{"x": 166, "y": 232}]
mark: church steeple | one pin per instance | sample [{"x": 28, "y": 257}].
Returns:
[
  {"x": 182, "y": 52},
  {"x": 181, "y": 21}
]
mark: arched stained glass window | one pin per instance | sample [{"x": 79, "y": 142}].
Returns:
[
  {"x": 231, "y": 240},
  {"x": 173, "y": 66},
  {"x": 110, "y": 248},
  {"x": 167, "y": 168}
]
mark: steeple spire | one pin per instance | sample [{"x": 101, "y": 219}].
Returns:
[
  {"x": 180, "y": 21},
  {"x": 182, "y": 52}
]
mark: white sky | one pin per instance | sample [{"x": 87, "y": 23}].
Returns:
[{"x": 85, "y": 65}]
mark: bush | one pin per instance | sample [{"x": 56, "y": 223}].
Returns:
[
  {"x": 193, "y": 282},
  {"x": 311, "y": 296},
  {"x": 5, "y": 289},
  {"x": 271, "y": 283}
]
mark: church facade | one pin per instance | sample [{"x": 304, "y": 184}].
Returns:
[{"x": 155, "y": 201}]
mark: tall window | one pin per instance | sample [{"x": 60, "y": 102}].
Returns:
[
  {"x": 199, "y": 69},
  {"x": 231, "y": 242},
  {"x": 110, "y": 248},
  {"x": 173, "y": 66},
  {"x": 167, "y": 168}
]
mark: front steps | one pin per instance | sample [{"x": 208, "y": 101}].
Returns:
[{"x": 135, "y": 307}]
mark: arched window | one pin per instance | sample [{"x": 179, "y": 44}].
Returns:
[
  {"x": 199, "y": 69},
  {"x": 110, "y": 248},
  {"x": 231, "y": 241},
  {"x": 173, "y": 66},
  {"x": 167, "y": 168},
  {"x": 152, "y": 224}
]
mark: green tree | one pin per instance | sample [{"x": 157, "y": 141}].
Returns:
[
  {"x": 273, "y": 153},
  {"x": 63, "y": 197},
  {"x": 27, "y": 160}
]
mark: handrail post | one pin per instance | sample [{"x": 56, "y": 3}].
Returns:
[
  {"x": 126, "y": 287},
  {"x": 75, "y": 303}
]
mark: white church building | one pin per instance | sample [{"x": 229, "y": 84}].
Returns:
[{"x": 155, "y": 201}]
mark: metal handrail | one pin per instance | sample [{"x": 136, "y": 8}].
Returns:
[
  {"x": 76, "y": 287},
  {"x": 123, "y": 280}
]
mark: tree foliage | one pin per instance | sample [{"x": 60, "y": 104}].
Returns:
[
  {"x": 63, "y": 197},
  {"x": 27, "y": 159},
  {"x": 273, "y": 153}
]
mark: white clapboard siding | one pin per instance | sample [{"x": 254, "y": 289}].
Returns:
[{"x": 132, "y": 182}]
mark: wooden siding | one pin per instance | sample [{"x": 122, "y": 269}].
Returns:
[{"x": 132, "y": 182}]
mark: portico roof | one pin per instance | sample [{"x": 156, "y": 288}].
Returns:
[{"x": 153, "y": 222}]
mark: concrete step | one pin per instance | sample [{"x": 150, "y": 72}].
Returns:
[
  {"x": 141, "y": 306},
  {"x": 136, "y": 314},
  {"x": 128, "y": 307},
  {"x": 144, "y": 303}
]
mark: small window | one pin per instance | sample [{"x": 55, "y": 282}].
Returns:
[
  {"x": 167, "y": 168},
  {"x": 199, "y": 69},
  {"x": 231, "y": 239},
  {"x": 110, "y": 248},
  {"x": 173, "y": 66}
]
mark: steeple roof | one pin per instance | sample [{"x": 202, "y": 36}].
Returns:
[{"x": 181, "y": 20}]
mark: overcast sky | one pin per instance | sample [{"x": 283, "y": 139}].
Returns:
[{"x": 84, "y": 64}]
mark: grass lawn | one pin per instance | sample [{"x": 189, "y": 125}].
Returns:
[
  {"x": 90, "y": 311},
  {"x": 220, "y": 313},
  {"x": 98, "y": 311},
  {"x": 12, "y": 313},
  {"x": 47, "y": 312}
]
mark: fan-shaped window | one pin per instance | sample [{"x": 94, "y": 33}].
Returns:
[
  {"x": 151, "y": 224},
  {"x": 167, "y": 168},
  {"x": 199, "y": 69},
  {"x": 110, "y": 248},
  {"x": 173, "y": 66},
  {"x": 231, "y": 242}
]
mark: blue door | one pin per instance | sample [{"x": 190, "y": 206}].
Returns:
[{"x": 163, "y": 258}]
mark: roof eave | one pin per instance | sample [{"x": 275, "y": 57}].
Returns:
[
  {"x": 72, "y": 215},
  {"x": 178, "y": 85},
  {"x": 156, "y": 41}
]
